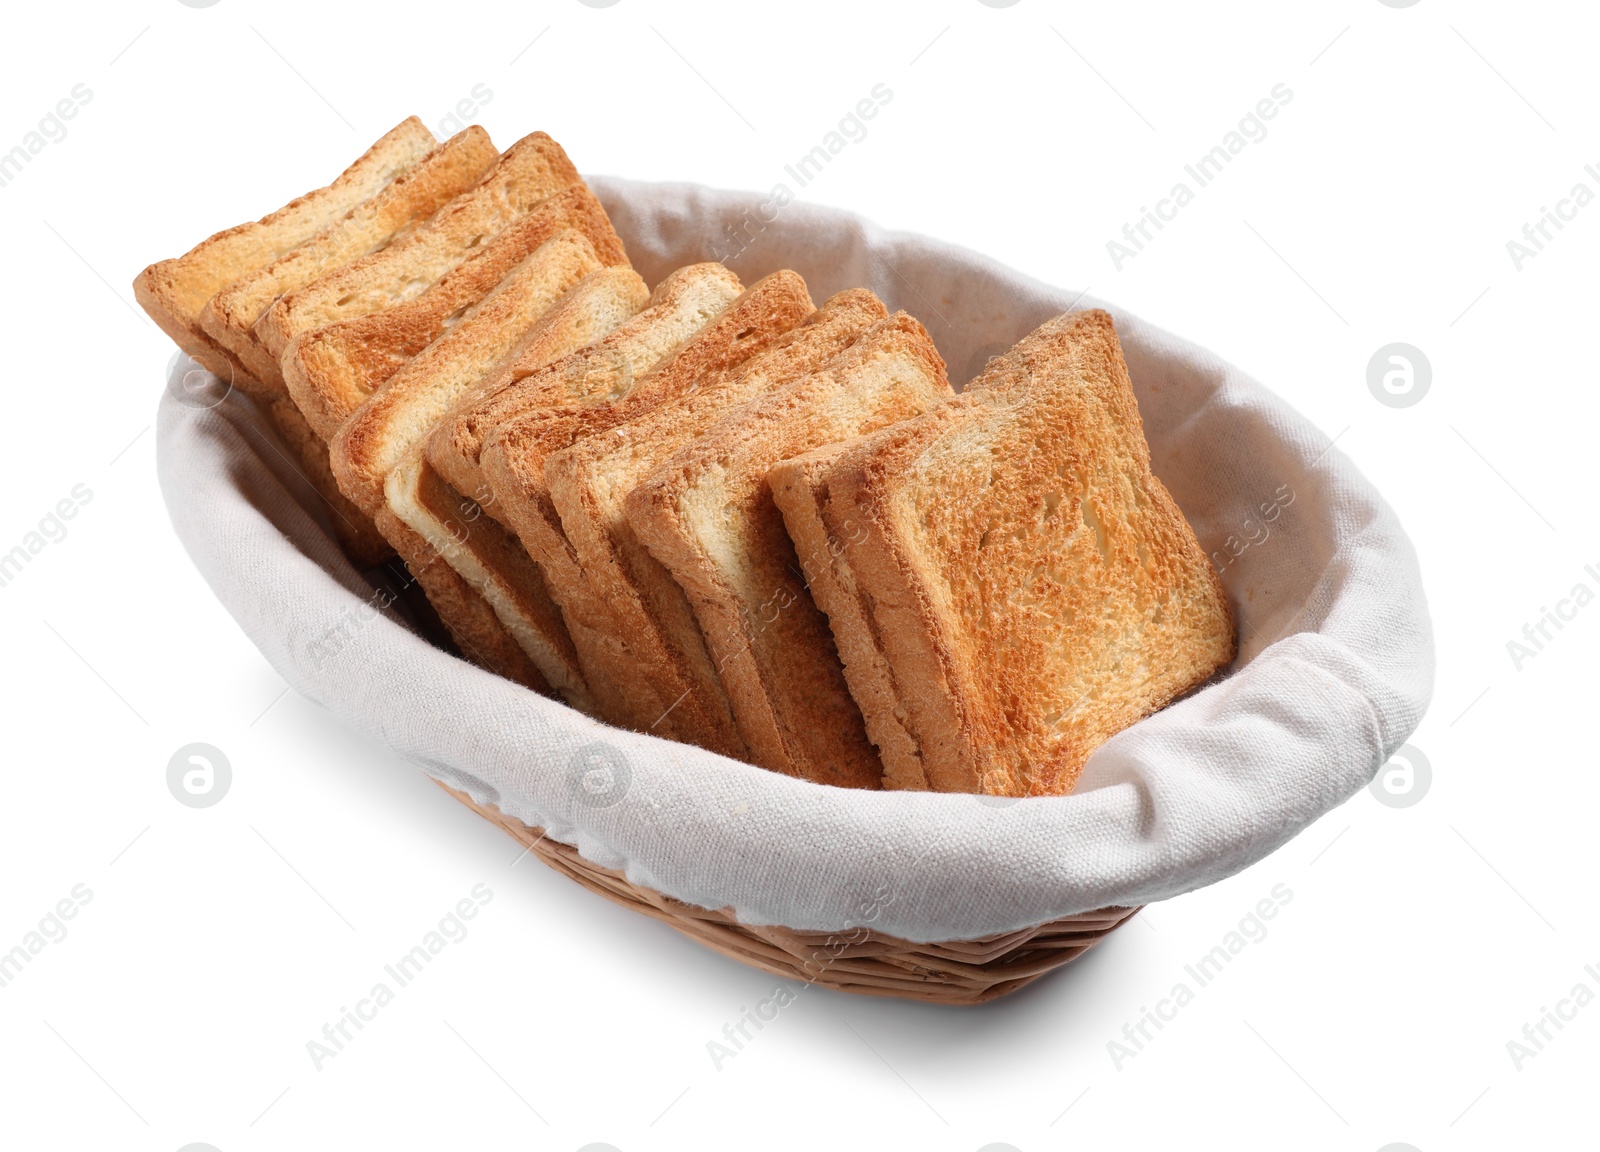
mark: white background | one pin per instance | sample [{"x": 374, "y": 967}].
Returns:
[{"x": 1419, "y": 941}]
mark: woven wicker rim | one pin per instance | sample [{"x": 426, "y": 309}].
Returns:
[{"x": 857, "y": 960}]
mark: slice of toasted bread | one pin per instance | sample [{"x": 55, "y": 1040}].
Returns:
[
  {"x": 589, "y": 481},
  {"x": 353, "y": 528},
  {"x": 230, "y": 316},
  {"x": 174, "y": 291},
  {"x": 480, "y": 549},
  {"x": 331, "y": 370},
  {"x": 682, "y": 699},
  {"x": 372, "y": 441},
  {"x": 679, "y": 307},
  {"x": 708, "y": 515},
  {"x": 1020, "y": 562},
  {"x": 528, "y": 173},
  {"x": 471, "y": 623}
]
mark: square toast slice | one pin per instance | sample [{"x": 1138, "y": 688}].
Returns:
[
  {"x": 331, "y": 370},
  {"x": 589, "y": 481},
  {"x": 174, "y": 291},
  {"x": 682, "y": 701},
  {"x": 483, "y": 553},
  {"x": 1012, "y": 554},
  {"x": 401, "y": 412},
  {"x": 230, "y": 316},
  {"x": 680, "y": 306},
  {"x": 528, "y": 173},
  {"x": 708, "y": 516}
]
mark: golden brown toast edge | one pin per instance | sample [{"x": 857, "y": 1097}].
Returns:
[
  {"x": 332, "y": 369},
  {"x": 230, "y": 316},
  {"x": 308, "y": 455},
  {"x": 527, "y": 173},
  {"x": 482, "y": 550},
  {"x": 684, "y": 702},
  {"x": 173, "y": 291},
  {"x": 800, "y": 490},
  {"x": 494, "y": 567},
  {"x": 486, "y": 553}
]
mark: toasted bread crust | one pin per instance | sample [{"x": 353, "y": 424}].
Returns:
[
  {"x": 470, "y": 621},
  {"x": 681, "y": 304},
  {"x": 405, "y": 407},
  {"x": 174, "y": 291},
  {"x": 708, "y": 515},
  {"x": 230, "y": 316},
  {"x": 674, "y": 692},
  {"x": 1025, "y": 565},
  {"x": 332, "y": 369},
  {"x": 528, "y": 173}
]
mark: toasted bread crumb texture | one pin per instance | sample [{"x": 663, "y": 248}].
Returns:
[
  {"x": 1058, "y": 586},
  {"x": 681, "y": 305}
]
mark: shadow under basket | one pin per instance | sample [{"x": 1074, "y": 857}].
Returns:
[{"x": 856, "y": 960}]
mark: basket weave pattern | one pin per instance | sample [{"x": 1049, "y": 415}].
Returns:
[{"x": 858, "y": 960}]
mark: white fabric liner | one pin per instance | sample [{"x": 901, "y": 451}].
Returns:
[{"x": 1335, "y": 667}]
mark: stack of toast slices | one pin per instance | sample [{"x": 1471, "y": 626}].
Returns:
[{"x": 715, "y": 512}]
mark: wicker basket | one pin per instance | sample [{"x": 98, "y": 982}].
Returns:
[{"x": 858, "y": 960}]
